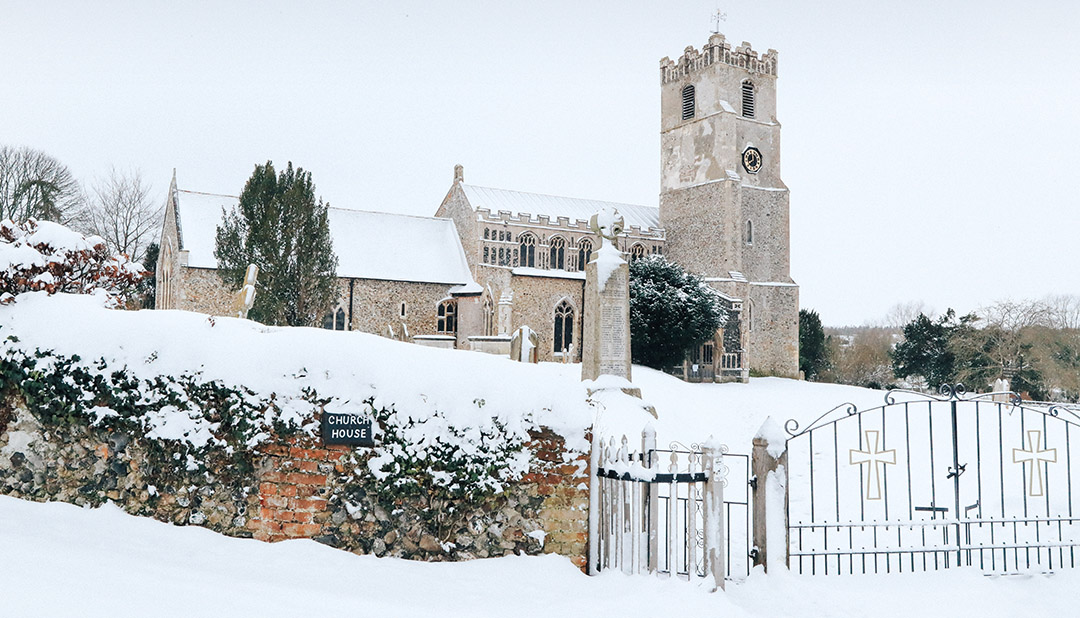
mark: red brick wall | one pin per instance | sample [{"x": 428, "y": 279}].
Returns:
[{"x": 296, "y": 480}]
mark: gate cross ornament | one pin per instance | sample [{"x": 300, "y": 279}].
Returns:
[
  {"x": 874, "y": 457},
  {"x": 1033, "y": 457}
]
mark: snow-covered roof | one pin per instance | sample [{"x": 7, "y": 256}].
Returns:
[
  {"x": 553, "y": 206},
  {"x": 369, "y": 245}
]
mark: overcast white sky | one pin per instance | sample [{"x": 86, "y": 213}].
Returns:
[{"x": 931, "y": 148}]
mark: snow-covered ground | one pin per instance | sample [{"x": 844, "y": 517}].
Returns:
[{"x": 59, "y": 560}]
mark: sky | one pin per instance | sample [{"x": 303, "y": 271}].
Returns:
[{"x": 931, "y": 148}]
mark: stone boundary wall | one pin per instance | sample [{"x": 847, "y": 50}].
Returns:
[{"x": 301, "y": 489}]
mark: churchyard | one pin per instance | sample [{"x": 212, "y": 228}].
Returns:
[
  {"x": 170, "y": 468},
  {"x": 394, "y": 451}
]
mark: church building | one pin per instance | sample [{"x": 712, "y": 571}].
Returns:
[{"x": 494, "y": 260}]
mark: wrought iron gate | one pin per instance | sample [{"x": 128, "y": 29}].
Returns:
[{"x": 927, "y": 482}]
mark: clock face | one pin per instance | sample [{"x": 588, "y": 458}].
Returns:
[{"x": 751, "y": 160}]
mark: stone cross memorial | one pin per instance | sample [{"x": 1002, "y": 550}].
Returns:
[{"x": 606, "y": 325}]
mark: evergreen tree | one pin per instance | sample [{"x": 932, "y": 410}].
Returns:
[
  {"x": 148, "y": 286},
  {"x": 813, "y": 353},
  {"x": 281, "y": 228},
  {"x": 926, "y": 351},
  {"x": 671, "y": 312}
]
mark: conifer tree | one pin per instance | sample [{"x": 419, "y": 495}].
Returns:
[
  {"x": 671, "y": 312},
  {"x": 813, "y": 353},
  {"x": 280, "y": 227}
]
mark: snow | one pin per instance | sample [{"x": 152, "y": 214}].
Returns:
[
  {"x": 369, "y": 245},
  {"x": 518, "y": 202},
  {"x": 440, "y": 387},
  {"x": 774, "y": 436},
  {"x": 61, "y": 560},
  {"x": 529, "y": 271},
  {"x": 608, "y": 259}
]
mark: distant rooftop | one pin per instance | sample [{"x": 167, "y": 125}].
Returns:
[{"x": 369, "y": 245}]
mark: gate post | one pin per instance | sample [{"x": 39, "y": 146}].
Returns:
[
  {"x": 594, "y": 499},
  {"x": 713, "y": 513},
  {"x": 652, "y": 516},
  {"x": 763, "y": 461}
]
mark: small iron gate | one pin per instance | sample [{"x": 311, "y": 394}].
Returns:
[
  {"x": 657, "y": 510},
  {"x": 934, "y": 482}
]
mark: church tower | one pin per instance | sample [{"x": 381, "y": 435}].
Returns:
[{"x": 723, "y": 204}]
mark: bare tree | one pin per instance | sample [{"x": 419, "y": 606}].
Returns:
[
  {"x": 123, "y": 212},
  {"x": 34, "y": 184},
  {"x": 1064, "y": 310},
  {"x": 901, "y": 314}
]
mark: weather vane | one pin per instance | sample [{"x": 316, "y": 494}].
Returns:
[{"x": 717, "y": 18}]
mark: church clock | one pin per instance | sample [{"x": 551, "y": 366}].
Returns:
[{"x": 751, "y": 160}]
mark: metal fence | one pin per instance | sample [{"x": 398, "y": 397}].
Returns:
[{"x": 931, "y": 482}]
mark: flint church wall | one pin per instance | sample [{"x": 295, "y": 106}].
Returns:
[{"x": 298, "y": 488}]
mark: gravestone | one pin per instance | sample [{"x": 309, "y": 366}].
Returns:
[
  {"x": 606, "y": 324},
  {"x": 245, "y": 298},
  {"x": 524, "y": 345}
]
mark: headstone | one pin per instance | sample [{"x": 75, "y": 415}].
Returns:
[
  {"x": 606, "y": 323},
  {"x": 524, "y": 345},
  {"x": 1001, "y": 385},
  {"x": 506, "y": 306},
  {"x": 245, "y": 298}
]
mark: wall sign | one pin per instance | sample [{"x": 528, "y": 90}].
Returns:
[{"x": 347, "y": 429}]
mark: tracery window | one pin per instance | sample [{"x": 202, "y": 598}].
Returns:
[
  {"x": 558, "y": 253},
  {"x": 564, "y": 327},
  {"x": 446, "y": 323},
  {"x": 584, "y": 253},
  {"x": 637, "y": 251},
  {"x": 528, "y": 250},
  {"x": 334, "y": 320}
]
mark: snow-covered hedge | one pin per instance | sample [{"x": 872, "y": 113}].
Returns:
[
  {"x": 46, "y": 256},
  {"x": 451, "y": 425}
]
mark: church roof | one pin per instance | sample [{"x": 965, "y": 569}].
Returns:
[
  {"x": 369, "y": 245},
  {"x": 553, "y": 206}
]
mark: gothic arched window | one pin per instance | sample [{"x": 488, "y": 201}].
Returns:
[
  {"x": 564, "y": 327},
  {"x": 749, "y": 232},
  {"x": 558, "y": 253},
  {"x": 528, "y": 250},
  {"x": 688, "y": 104},
  {"x": 446, "y": 324},
  {"x": 584, "y": 253},
  {"x": 339, "y": 319},
  {"x": 637, "y": 251},
  {"x": 487, "y": 233},
  {"x": 748, "y": 99}
]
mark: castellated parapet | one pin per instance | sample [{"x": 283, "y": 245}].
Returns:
[{"x": 718, "y": 50}]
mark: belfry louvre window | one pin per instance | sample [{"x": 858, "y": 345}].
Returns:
[
  {"x": 688, "y": 102},
  {"x": 748, "y": 99},
  {"x": 447, "y": 322}
]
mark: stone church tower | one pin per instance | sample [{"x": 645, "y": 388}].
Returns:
[{"x": 723, "y": 205}]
